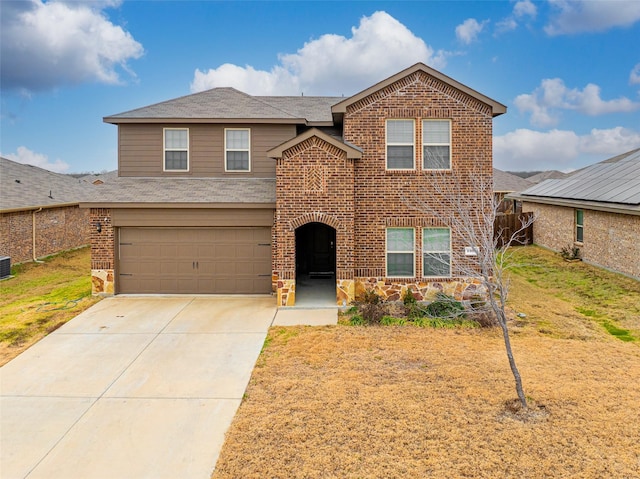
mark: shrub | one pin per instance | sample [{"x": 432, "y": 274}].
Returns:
[
  {"x": 480, "y": 312},
  {"x": 372, "y": 307},
  {"x": 413, "y": 309},
  {"x": 570, "y": 252},
  {"x": 445, "y": 306}
]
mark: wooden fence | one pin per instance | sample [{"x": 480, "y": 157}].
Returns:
[{"x": 505, "y": 225}]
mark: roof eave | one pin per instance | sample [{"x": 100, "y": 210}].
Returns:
[
  {"x": 279, "y": 121},
  {"x": 175, "y": 205},
  {"x": 589, "y": 205},
  {"x": 277, "y": 152},
  {"x": 36, "y": 208}
]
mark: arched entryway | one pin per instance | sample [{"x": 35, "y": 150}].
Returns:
[{"x": 315, "y": 265}]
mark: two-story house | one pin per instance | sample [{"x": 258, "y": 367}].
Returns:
[{"x": 224, "y": 192}]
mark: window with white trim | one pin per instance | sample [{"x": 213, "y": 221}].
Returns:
[
  {"x": 436, "y": 144},
  {"x": 176, "y": 149},
  {"x": 237, "y": 148},
  {"x": 436, "y": 252},
  {"x": 400, "y": 145},
  {"x": 400, "y": 252},
  {"x": 579, "y": 226}
]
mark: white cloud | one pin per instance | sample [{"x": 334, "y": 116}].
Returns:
[
  {"x": 529, "y": 150},
  {"x": 44, "y": 45},
  {"x": 506, "y": 25},
  {"x": 25, "y": 156},
  {"x": 278, "y": 81},
  {"x": 332, "y": 64},
  {"x": 525, "y": 8},
  {"x": 553, "y": 95},
  {"x": 467, "y": 32},
  {"x": 634, "y": 76},
  {"x": 610, "y": 142},
  {"x": 522, "y": 11},
  {"x": 586, "y": 16}
]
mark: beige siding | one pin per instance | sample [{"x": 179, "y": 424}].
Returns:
[
  {"x": 141, "y": 149},
  {"x": 610, "y": 239},
  {"x": 192, "y": 217}
]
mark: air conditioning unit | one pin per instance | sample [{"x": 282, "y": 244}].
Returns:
[{"x": 5, "y": 267}]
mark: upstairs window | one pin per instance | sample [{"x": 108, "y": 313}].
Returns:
[
  {"x": 400, "y": 145},
  {"x": 436, "y": 144},
  {"x": 436, "y": 250},
  {"x": 579, "y": 226},
  {"x": 176, "y": 149},
  {"x": 237, "y": 146},
  {"x": 400, "y": 248}
]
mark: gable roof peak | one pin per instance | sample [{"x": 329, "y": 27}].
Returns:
[{"x": 496, "y": 107}]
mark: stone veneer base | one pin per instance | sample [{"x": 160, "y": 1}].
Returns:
[
  {"x": 347, "y": 290},
  {"x": 286, "y": 292},
  {"x": 460, "y": 288},
  {"x": 102, "y": 282}
]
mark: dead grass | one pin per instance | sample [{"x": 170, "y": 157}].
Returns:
[
  {"x": 405, "y": 402},
  {"x": 41, "y": 297}
]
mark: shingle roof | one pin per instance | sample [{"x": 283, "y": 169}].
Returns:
[
  {"x": 504, "y": 182},
  {"x": 614, "y": 182},
  {"x": 231, "y": 104},
  {"x": 25, "y": 187},
  {"x": 181, "y": 191}
]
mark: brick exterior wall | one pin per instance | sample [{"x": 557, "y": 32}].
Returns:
[
  {"x": 102, "y": 251},
  {"x": 361, "y": 199},
  {"x": 384, "y": 198},
  {"x": 314, "y": 183},
  {"x": 57, "y": 229},
  {"x": 610, "y": 239}
]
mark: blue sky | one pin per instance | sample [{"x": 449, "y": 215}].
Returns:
[{"x": 568, "y": 71}]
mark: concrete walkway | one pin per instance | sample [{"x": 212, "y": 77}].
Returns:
[
  {"x": 131, "y": 388},
  {"x": 136, "y": 387}
]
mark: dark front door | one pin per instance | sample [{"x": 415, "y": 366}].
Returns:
[{"x": 316, "y": 250}]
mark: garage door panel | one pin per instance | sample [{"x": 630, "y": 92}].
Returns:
[{"x": 195, "y": 260}]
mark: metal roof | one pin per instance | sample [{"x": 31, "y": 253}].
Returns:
[
  {"x": 616, "y": 180},
  {"x": 611, "y": 185}
]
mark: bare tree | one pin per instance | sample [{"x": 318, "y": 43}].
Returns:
[{"x": 465, "y": 203}]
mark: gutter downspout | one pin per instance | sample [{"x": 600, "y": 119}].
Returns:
[{"x": 33, "y": 224}]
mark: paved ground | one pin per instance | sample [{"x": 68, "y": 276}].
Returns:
[{"x": 134, "y": 387}]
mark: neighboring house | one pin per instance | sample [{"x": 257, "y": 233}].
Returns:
[
  {"x": 547, "y": 175},
  {"x": 596, "y": 209},
  {"x": 224, "y": 192},
  {"x": 99, "y": 178},
  {"x": 505, "y": 183},
  {"x": 39, "y": 212}
]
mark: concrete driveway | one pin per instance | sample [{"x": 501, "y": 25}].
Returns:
[{"x": 134, "y": 387}]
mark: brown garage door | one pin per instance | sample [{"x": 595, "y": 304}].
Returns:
[{"x": 194, "y": 260}]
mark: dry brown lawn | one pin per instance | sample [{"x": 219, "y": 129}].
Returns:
[{"x": 408, "y": 402}]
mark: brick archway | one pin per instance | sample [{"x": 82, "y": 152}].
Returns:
[{"x": 315, "y": 217}]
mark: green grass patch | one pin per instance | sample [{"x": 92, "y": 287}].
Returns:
[
  {"x": 609, "y": 299},
  {"x": 621, "y": 334},
  {"x": 41, "y": 297}
]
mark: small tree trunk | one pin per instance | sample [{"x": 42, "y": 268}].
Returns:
[{"x": 512, "y": 362}]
